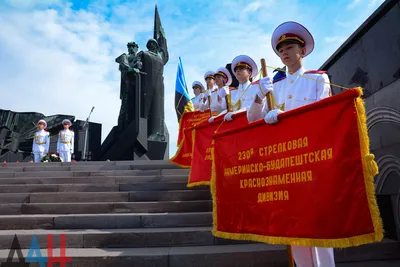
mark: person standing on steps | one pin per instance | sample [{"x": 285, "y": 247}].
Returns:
[
  {"x": 219, "y": 102},
  {"x": 41, "y": 142},
  {"x": 209, "y": 77},
  {"x": 65, "y": 143},
  {"x": 241, "y": 99},
  {"x": 292, "y": 42},
  {"x": 198, "y": 90}
]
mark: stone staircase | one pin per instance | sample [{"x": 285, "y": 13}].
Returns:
[{"x": 134, "y": 213}]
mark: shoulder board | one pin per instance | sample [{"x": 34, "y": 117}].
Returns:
[
  {"x": 46, "y": 131},
  {"x": 232, "y": 88},
  {"x": 71, "y": 130},
  {"x": 315, "y": 72},
  {"x": 214, "y": 90},
  {"x": 278, "y": 80},
  {"x": 256, "y": 82}
]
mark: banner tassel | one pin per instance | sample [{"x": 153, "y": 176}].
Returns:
[{"x": 370, "y": 167}]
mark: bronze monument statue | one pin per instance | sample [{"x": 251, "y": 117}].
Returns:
[{"x": 141, "y": 132}]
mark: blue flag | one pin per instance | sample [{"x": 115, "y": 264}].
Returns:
[{"x": 182, "y": 99}]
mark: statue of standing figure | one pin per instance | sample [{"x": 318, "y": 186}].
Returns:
[
  {"x": 141, "y": 132},
  {"x": 130, "y": 66}
]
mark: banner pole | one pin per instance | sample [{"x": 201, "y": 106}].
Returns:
[
  {"x": 264, "y": 74},
  {"x": 269, "y": 103}
]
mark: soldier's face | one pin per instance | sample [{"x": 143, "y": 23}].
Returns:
[
  {"x": 242, "y": 74},
  {"x": 152, "y": 46},
  {"x": 132, "y": 50},
  {"x": 41, "y": 126},
  {"x": 291, "y": 53},
  {"x": 66, "y": 126},
  {"x": 196, "y": 90},
  {"x": 210, "y": 82},
  {"x": 219, "y": 80}
]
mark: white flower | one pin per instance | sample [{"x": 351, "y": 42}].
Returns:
[
  {"x": 46, "y": 161},
  {"x": 54, "y": 155}
]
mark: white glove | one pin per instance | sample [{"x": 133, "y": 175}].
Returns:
[
  {"x": 266, "y": 86},
  {"x": 228, "y": 116},
  {"x": 211, "y": 119},
  {"x": 71, "y": 151},
  {"x": 224, "y": 91},
  {"x": 272, "y": 116},
  {"x": 207, "y": 94},
  {"x": 203, "y": 107}
]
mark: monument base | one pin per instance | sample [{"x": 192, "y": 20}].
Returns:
[{"x": 133, "y": 143}]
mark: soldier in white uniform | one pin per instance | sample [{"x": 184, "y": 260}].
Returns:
[
  {"x": 41, "y": 142},
  {"x": 244, "y": 68},
  {"x": 292, "y": 42},
  {"x": 198, "y": 90},
  {"x": 65, "y": 143},
  {"x": 219, "y": 105},
  {"x": 211, "y": 86}
]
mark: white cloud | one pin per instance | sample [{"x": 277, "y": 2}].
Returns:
[
  {"x": 253, "y": 7},
  {"x": 353, "y": 4}
]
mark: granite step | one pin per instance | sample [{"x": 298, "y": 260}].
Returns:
[
  {"x": 153, "y": 164},
  {"x": 93, "y": 179},
  {"x": 387, "y": 250},
  {"x": 129, "y": 196},
  {"x": 106, "y": 207},
  {"x": 248, "y": 255},
  {"x": 243, "y": 255},
  {"x": 90, "y": 172},
  {"x": 105, "y": 221},
  {"x": 114, "y": 238},
  {"x": 139, "y": 186},
  {"x": 156, "y": 186},
  {"x": 36, "y": 188}
]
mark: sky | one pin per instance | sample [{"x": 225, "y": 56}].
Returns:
[{"x": 58, "y": 56}]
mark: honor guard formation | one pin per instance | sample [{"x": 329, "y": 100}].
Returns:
[
  {"x": 65, "y": 142},
  {"x": 291, "y": 88}
]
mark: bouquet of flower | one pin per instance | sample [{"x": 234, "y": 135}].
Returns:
[{"x": 51, "y": 158}]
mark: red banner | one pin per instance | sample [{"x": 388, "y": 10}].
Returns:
[
  {"x": 200, "y": 171},
  {"x": 189, "y": 120},
  {"x": 306, "y": 180},
  {"x": 183, "y": 156}
]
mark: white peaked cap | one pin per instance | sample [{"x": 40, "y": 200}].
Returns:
[
  {"x": 66, "y": 120},
  {"x": 292, "y": 31},
  {"x": 224, "y": 72},
  {"x": 44, "y": 122},
  {"x": 197, "y": 83},
  {"x": 209, "y": 74},
  {"x": 244, "y": 60}
]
